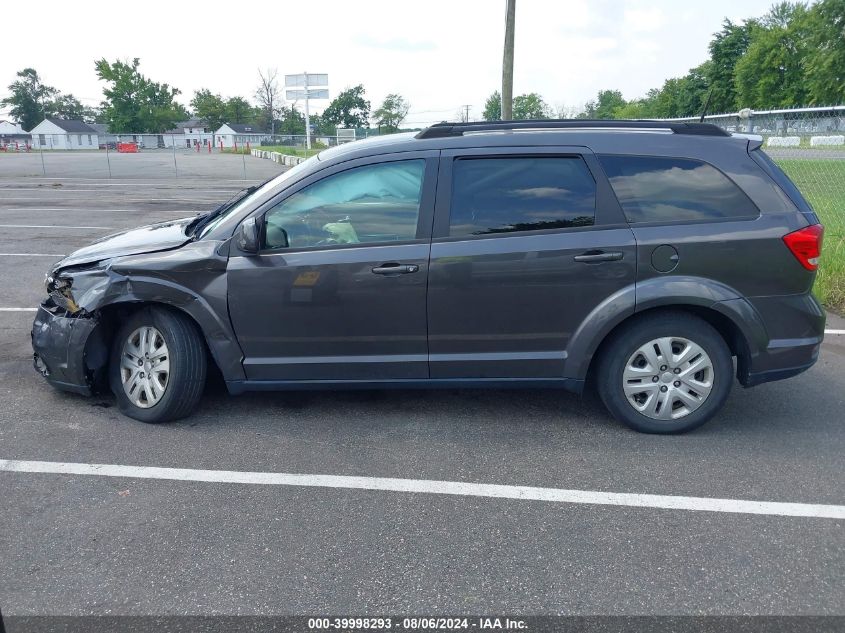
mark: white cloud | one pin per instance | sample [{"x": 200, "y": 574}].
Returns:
[{"x": 643, "y": 19}]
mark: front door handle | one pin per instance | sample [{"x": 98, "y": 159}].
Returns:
[
  {"x": 395, "y": 268},
  {"x": 591, "y": 257}
]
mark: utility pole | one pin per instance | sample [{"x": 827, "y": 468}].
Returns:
[
  {"x": 507, "y": 62},
  {"x": 465, "y": 116},
  {"x": 307, "y": 115}
]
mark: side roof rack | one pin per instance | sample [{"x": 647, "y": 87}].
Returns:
[{"x": 441, "y": 130}]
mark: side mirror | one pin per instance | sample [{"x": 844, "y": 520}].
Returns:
[{"x": 247, "y": 236}]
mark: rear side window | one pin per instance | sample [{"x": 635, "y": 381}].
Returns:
[
  {"x": 521, "y": 193},
  {"x": 783, "y": 181},
  {"x": 659, "y": 189}
]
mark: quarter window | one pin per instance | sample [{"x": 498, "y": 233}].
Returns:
[
  {"x": 374, "y": 203},
  {"x": 521, "y": 193},
  {"x": 659, "y": 189}
]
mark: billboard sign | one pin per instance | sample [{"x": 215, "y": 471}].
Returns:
[
  {"x": 310, "y": 79},
  {"x": 295, "y": 95}
]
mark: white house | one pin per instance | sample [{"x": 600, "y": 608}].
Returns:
[
  {"x": 240, "y": 133},
  {"x": 12, "y": 133},
  {"x": 188, "y": 134},
  {"x": 64, "y": 134}
]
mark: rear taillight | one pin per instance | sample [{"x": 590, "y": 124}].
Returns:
[{"x": 806, "y": 245}]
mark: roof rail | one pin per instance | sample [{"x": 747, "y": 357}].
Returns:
[{"x": 440, "y": 130}]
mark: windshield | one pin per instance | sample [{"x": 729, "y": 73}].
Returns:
[{"x": 267, "y": 188}]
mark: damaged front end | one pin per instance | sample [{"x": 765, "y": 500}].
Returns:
[{"x": 70, "y": 346}]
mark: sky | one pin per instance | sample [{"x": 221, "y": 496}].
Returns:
[{"x": 439, "y": 54}]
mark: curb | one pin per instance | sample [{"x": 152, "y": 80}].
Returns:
[{"x": 283, "y": 159}]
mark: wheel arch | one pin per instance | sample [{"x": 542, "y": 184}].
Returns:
[
  {"x": 110, "y": 316},
  {"x": 717, "y": 316},
  {"x": 733, "y": 316}
]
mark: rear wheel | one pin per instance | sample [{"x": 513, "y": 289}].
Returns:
[
  {"x": 158, "y": 366},
  {"x": 665, "y": 373}
]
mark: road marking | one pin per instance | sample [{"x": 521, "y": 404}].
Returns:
[
  {"x": 66, "y": 190},
  {"x": 385, "y": 484},
  {"x": 69, "y": 209},
  {"x": 834, "y": 331},
  {"x": 30, "y": 255},
  {"x": 94, "y": 182},
  {"x": 50, "y": 226},
  {"x": 207, "y": 200},
  {"x": 18, "y": 309}
]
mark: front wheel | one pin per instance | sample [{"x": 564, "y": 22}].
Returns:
[
  {"x": 158, "y": 366},
  {"x": 665, "y": 373}
]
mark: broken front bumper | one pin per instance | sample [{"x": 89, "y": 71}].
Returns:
[{"x": 64, "y": 350}]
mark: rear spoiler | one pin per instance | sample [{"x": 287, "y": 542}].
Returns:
[{"x": 755, "y": 141}]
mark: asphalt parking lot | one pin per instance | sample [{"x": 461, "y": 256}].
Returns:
[{"x": 131, "y": 543}]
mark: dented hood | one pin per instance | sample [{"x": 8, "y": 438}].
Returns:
[{"x": 145, "y": 239}]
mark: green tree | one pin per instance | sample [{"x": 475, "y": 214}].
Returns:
[
  {"x": 530, "y": 106},
  {"x": 772, "y": 71},
  {"x": 825, "y": 63},
  {"x": 69, "y": 107},
  {"x": 134, "y": 103},
  {"x": 29, "y": 98},
  {"x": 391, "y": 113},
  {"x": 209, "y": 108},
  {"x": 349, "y": 109},
  {"x": 605, "y": 105},
  {"x": 239, "y": 110},
  {"x": 726, "y": 48},
  {"x": 290, "y": 122},
  {"x": 636, "y": 109},
  {"x": 493, "y": 107},
  {"x": 682, "y": 96}
]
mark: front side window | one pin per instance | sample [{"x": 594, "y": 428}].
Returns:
[
  {"x": 522, "y": 193},
  {"x": 660, "y": 189},
  {"x": 374, "y": 203}
]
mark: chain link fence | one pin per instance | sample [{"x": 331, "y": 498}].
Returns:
[
  {"x": 107, "y": 155},
  {"x": 185, "y": 155}
]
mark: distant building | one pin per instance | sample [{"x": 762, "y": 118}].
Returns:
[
  {"x": 64, "y": 134},
  {"x": 188, "y": 134},
  {"x": 12, "y": 133},
  {"x": 241, "y": 133}
]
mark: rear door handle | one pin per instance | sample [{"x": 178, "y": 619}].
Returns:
[
  {"x": 591, "y": 257},
  {"x": 395, "y": 268}
]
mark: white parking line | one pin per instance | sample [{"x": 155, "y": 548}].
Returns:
[
  {"x": 30, "y": 255},
  {"x": 49, "y": 226},
  {"x": 68, "y": 209},
  {"x": 155, "y": 187},
  {"x": 423, "y": 486},
  {"x": 207, "y": 200},
  {"x": 95, "y": 182},
  {"x": 834, "y": 331},
  {"x": 18, "y": 309}
]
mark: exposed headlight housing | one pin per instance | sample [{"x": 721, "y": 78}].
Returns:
[{"x": 59, "y": 290}]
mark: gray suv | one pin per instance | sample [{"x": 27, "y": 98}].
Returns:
[{"x": 637, "y": 257}]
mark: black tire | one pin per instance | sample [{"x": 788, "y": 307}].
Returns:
[
  {"x": 626, "y": 341},
  {"x": 187, "y": 369}
]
